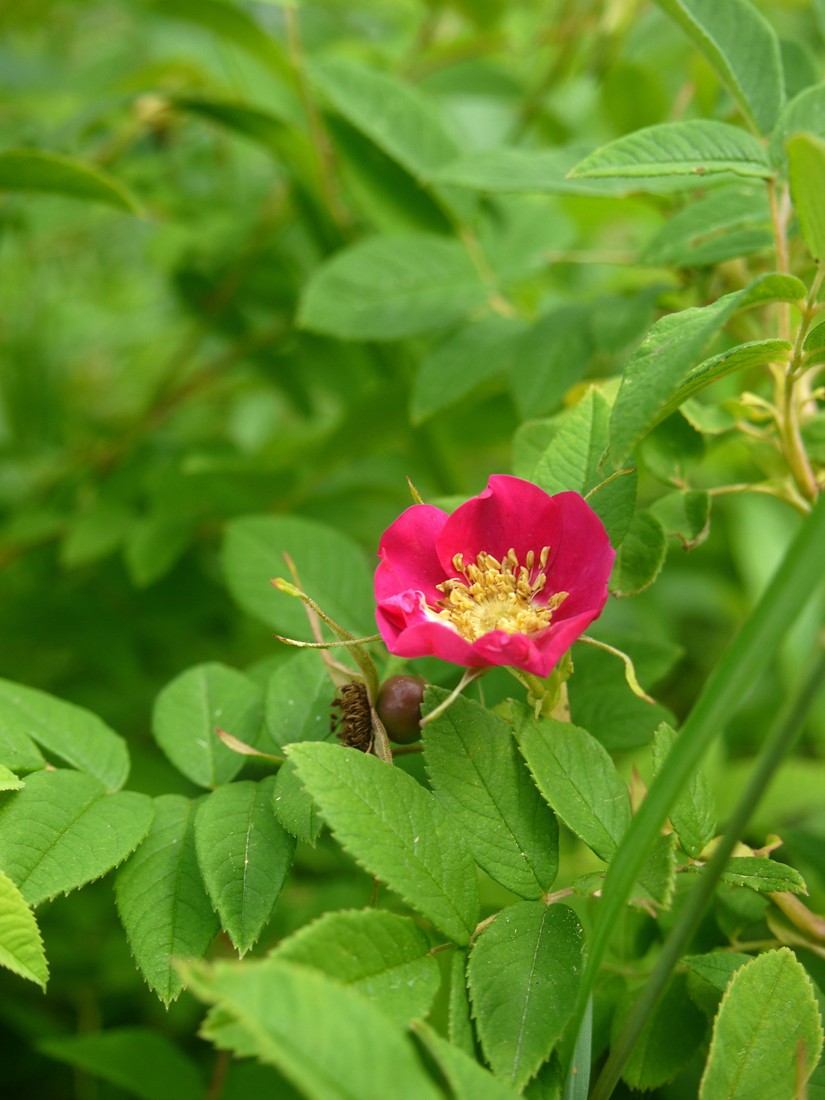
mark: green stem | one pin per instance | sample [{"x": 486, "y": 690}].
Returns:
[
  {"x": 778, "y": 743},
  {"x": 740, "y": 667}
]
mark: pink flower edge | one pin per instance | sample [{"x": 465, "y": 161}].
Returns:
[{"x": 417, "y": 553}]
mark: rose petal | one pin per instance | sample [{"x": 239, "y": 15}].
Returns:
[
  {"x": 582, "y": 557},
  {"x": 509, "y": 514},
  {"x": 407, "y": 550}
]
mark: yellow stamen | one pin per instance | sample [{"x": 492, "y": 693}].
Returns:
[{"x": 498, "y": 595}]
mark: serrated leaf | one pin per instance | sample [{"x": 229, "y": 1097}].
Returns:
[
  {"x": 244, "y": 855},
  {"x": 767, "y": 1036},
  {"x": 805, "y": 113},
  {"x": 387, "y": 288},
  {"x": 467, "y": 1079},
  {"x": 614, "y": 502},
  {"x": 483, "y": 350},
  {"x": 693, "y": 815},
  {"x": 17, "y": 750},
  {"x": 708, "y": 222},
  {"x": 477, "y": 773},
  {"x": 33, "y": 170},
  {"x": 69, "y": 732},
  {"x": 8, "y": 780},
  {"x": 755, "y": 353},
  {"x": 668, "y": 1041},
  {"x": 697, "y": 147},
  {"x": 658, "y": 876},
  {"x": 298, "y": 697},
  {"x": 383, "y": 956},
  {"x": 552, "y": 355},
  {"x": 522, "y": 171},
  {"x": 293, "y": 807},
  {"x": 398, "y": 116},
  {"x": 21, "y": 945},
  {"x": 578, "y": 779},
  {"x": 524, "y": 974},
  {"x": 144, "y": 1063},
  {"x": 765, "y": 876},
  {"x": 664, "y": 359},
  {"x": 709, "y": 976},
  {"x": 253, "y": 553},
  {"x": 161, "y": 899},
  {"x": 640, "y": 557},
  {"x": 459, "y": 1022},
  {"x": 63, "y": 830},
  {"x": 396, "y": 830},
  {"x": 806, "y": 169},
  {"x": 741, "y": 45},
  {"x": 188, "y": 712},
  {"x": 325, "y": 1038},
  {"x": 573, "y": 458}
]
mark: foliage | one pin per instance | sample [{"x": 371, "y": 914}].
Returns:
[{"x": 267, "y": 262}]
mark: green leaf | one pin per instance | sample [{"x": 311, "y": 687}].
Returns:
[
  {"x": 63, "y": 830},
  {"x": 524, "y": 974},
  {"x": 155, "y": 543},
  {"x": 805, "y": 113},
  {"x": 21, "y": 945},
  {"x": 387, "y": 288},
  {"x": 68, "y": 732},
  {"x": 693, "y": 815},
  {"x": 383, "y": 956},
  {"x": 17, "y": 750},
  {"x": 767, "y": 1036},
  {"x": 467, "y": 1079},
  {"x": 161, "y": 899},
  {"x": 573, "y": 459},
  {"x": 244, "y": 855},
  {"x": 741, "y": 45},
  {"x": 263, "y": 127},
  {"x": 293, "y": 807},
  {"x": 94, "y": 533},
  {"x": 665, "y": 357},
  {"x": 698, "y": 147},
  {"x": 765, "y": 876},
  {"x": 459, "y": 1022},
  {"x": 230, "y": 23},
  {"x": 477, "y": 773},
  {"x": 700, "y": 234},
  {"x": 640, "y": 557},
  {"x": 806, "y": 168},
  {"x": 396, "y": 830},
  {"x": 8, "y": 780},
  {"x": 400, "y": 118},
  {"x": 658, "y": 876},
  {"x": 481, "y": 351},
  {"x": 143, "y": 1063},
  {"x": 669, "y": 1040},
  {"x": 253, "y": 553},
  {"x": 32, "y": 170},
  {"x": 578, "y": 779},
  {"x": 188, "y": 712},
  {"x": 756, "y": 353},
  {"x": 298, "y": 696},
  {"x": 551, "y": 357},
  {"x": 616, "y": 717},
  {"x": 709, "y": 976},
  {"x": 546, "y": 171},
  {"x": 325, "y": 1038}
]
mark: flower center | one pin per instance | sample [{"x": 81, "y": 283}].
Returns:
[{"x": 498, "y": 595}]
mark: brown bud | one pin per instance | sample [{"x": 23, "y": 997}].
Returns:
[{"x": 399, "y": 707}]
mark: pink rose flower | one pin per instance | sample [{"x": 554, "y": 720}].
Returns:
[{"x": 512, "y": 577}]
